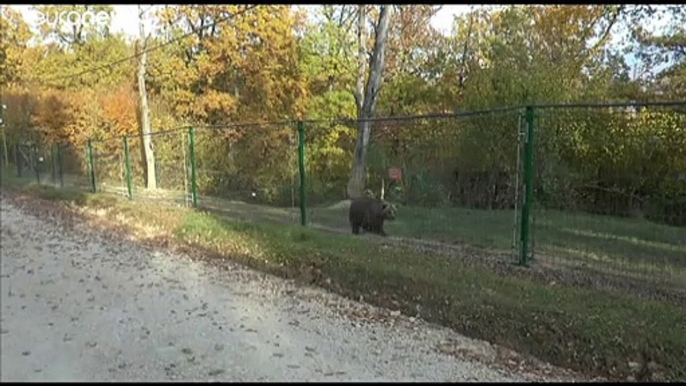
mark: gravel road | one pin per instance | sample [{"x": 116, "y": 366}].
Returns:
[{"x": 77, "y": 306}]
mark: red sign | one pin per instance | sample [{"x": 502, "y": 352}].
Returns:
[{"x": 395, "y": 174}]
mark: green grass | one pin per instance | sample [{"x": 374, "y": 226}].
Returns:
[
  {"x": 623, "y": 243},
  {"x": 452, "y": 225},
  {"x": 634, "y": 246},
  {"x": 588, "y": 330}
]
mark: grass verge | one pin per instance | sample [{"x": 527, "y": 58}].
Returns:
[
  {"x": 596, "y": 332},
  {"x": 629, "y": 244}
]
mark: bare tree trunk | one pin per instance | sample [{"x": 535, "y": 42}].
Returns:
[
  {"x": 463, "y": 67},
  {"x": 151, "y": 178},
  {"x": 382, "y": 195},
  {"x": 366, "y": 103},
  {"x": 361, "y": 57},
  {"x": 357, "y": 178},
  {"x": 4, "y": 145}
]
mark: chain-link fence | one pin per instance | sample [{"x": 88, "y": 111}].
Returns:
[
  {"x": 31, "y": 160},
  {"x": 72, "y": 166},
  {"x": 610, "y": 188},
  {"x": 453, "y": 177},
  {"x": 248, "y": 171},
  {"x": 582, "y": 186},
  {"x": 60, "y": 165},
  {"x": 109, "y": 167},
  {"x": 163, "y": 173},
  {"x": 121, "y": 166}
]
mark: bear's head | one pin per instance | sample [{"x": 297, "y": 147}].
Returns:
[{"x": 388, "y": 211}]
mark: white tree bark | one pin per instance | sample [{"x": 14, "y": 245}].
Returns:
[
  {"x": 150, "y": 177},
  {"x": 366, "y": 100}
]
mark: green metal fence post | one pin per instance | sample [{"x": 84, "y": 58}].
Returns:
[
  {"x": 53, "y": 158},
  {"x": 127, "y": 163},
  {"x": 34, "y": 162},
  {"x": 528, "y": 187},
  {"x": 3, "y": 126},
  {"x": 303, "y": 179},
  {"x": 194, "y": 185},
  {"x": 17, "y": 159},
  {"x": 60, "y": 167},
  {"x": 91, "y": 164}
]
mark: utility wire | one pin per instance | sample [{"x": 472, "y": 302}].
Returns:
[{"x": 147, "y": 50}]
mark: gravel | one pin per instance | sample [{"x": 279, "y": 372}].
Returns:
[{"x": 80, "y": 305}]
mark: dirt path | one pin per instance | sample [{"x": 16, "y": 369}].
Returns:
[{"x": 79, "y": 307}]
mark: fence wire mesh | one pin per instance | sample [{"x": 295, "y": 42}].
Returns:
[
  {"x": 454, "y": 178},
  {"x": 137, "y": 166},
  {"x": 165, "y": 184},
  {"x": 59, "y": 165},
  {"x": 109, "y": 166},
  {"x": 170, "y": 151},
  {"x": 608, "y": 182},
  {"x": 248, "y": 171},
  {"x": 30, "y": 160},
  {"x": 610, "y": 189},
  {"x": 72, "y": 164}
]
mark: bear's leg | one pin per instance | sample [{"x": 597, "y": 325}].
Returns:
[{"x": 379, "y": 229}]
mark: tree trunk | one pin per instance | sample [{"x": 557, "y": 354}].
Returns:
[
  {"x": 361, "y": 57},
  {"x": 150, "y": 177},
  {"x": 382, "y": 194},
  {"x": 463, "y": 67},
  {"x": 366, "y": 101}
]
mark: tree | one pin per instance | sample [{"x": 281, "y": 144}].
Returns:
[
  {"x": 664, "y": 54},
  {"x": 409, "y": 71},
  {"x": 148, "y": 153},
  {"x": 238, "y": 60},
  {"x": 65, "y": 50},
  {"x": 79, "y": 33},
  {"x": 411, "y": 40},
  {"x": 366, "y": 99},
  {"x": 328, "y": 63},
  {"x": 14, "y": 37}
]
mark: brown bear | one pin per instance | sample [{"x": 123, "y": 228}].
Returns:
[{"x": 369, "y": 214}]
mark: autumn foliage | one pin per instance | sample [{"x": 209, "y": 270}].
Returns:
[{"x": 272, "y": 63}]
